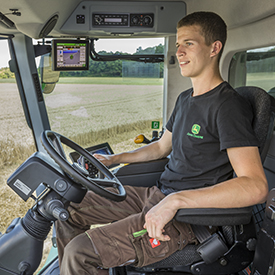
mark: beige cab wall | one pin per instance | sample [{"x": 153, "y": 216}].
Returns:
[
  {"x": 252, "y": 36},
  {"x": 174, "y": 82},
  {"x": 250, "y": 28}
]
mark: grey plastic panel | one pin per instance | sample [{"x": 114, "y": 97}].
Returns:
[
  {"x": 166, "y": 16},
  {"x": 141, "y": 174}
]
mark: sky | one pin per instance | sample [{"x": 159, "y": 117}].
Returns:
[
  {"x": 4, "y": 54},
  {"x": 122, "y": 45}
]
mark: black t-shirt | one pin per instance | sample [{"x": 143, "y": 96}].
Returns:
[{"x": 203, "y": 127}]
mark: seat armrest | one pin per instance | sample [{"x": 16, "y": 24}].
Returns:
[
  {"x": 215, "y": 216},
  {"x": 142, "y": 173},
  {"x": 142, "y": 167}
]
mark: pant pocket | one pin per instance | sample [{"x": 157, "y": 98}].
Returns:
[
  {"x": 113, "y": 249},
  {"x": 148, "y": 250}
]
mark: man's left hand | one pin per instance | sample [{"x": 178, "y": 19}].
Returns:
[{"x": 157, "y": 217}]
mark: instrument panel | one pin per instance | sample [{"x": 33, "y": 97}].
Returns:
[
  {"x": 104, "y": 18},
  {"x": 123, "y": 20}
]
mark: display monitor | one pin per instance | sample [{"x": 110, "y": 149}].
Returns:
[
  {"x": 103, "y": 148},
  {"x": 70, "y": 55}
]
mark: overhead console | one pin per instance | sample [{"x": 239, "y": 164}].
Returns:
[
  {"x": 141, "y": 19},
  {"x": 145, "y": 20}
]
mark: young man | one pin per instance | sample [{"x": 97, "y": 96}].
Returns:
[{"x": 208, "y": 135}]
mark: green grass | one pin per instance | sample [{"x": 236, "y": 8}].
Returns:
[
  {"x": 7, "y": 80},
  {"x": 102, "y": 80},
  {"x": 111, "y": 80}
]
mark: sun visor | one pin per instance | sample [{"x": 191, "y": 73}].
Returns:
[{"x": 38, "y": 30}]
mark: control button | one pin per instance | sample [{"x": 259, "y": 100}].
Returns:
[
  {"x": 91, "y": 169},
  {"x": 80, "y": 19},
  {"x": 147, "y": 20},
  {"x": 135, "y": 20},
  {"x": 60, "y": 185},
  {"x": 142, "y": 20},
  {"x": 98, "y": 19}
]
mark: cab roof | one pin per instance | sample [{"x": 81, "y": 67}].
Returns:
[{"x": 38, "y": 18}]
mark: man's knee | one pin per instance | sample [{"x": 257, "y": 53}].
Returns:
[
  {"x": 79, "y": 257},
  {"x": 73, "y": 248}
]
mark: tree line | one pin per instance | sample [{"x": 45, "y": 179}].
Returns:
[
  {"x": 6, "y": 73},
  {"x": 259, "y": 62},
  {"x": 122, "y": 68}
]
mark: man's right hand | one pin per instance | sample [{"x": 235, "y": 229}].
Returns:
[
  {"x": 105, "y": 159},
  {"x": 155, "y": 150}
]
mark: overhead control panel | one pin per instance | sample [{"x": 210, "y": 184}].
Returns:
[
  {"x": 141, "y": 19},
  {"x": 109, "y": 20},
  {"x": 123, "y": 20}
]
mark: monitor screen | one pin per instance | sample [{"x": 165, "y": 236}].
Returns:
[
  {"x": 103, "y": 148},
  {"x": 70, "y": 55}
]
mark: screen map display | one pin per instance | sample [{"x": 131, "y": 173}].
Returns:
[{"x": 71, "y": 55}]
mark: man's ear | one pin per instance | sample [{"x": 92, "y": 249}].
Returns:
[{"x": 216, "y": 48}]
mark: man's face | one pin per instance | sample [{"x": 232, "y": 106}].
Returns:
[{"x": 193, "y": 54}]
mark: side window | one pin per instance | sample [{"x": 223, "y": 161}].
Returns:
[
  {"x": 254, "y": 68},
  {"x": 16, "y": 140}
]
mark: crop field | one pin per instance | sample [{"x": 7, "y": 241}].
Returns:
[
  {"x": 89, "y": 109},
  {"x": 90, "y": 113}
]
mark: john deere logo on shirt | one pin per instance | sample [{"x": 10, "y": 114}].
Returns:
[{"x": 195, "y": 131}]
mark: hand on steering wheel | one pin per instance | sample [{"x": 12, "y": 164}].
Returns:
[{"x": 52, "y": 143}]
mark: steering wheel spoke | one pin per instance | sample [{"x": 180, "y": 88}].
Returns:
[
  {"x": 104, "y": 183},
  {"x": 52, "y": 143},
  {"x": 55, "y": 141}
]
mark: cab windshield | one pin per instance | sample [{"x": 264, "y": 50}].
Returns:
[{"x": 114, "y": 100}]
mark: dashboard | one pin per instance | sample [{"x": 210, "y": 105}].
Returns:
[{"x": 103, "y": 148}]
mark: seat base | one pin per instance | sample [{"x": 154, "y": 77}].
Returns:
[{"x": 188, "y": 260}]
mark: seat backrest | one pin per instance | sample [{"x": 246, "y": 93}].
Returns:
[{"x": 263, "y": 107}]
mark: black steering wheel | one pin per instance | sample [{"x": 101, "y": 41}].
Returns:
[{"x": 52, "y": 143}]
